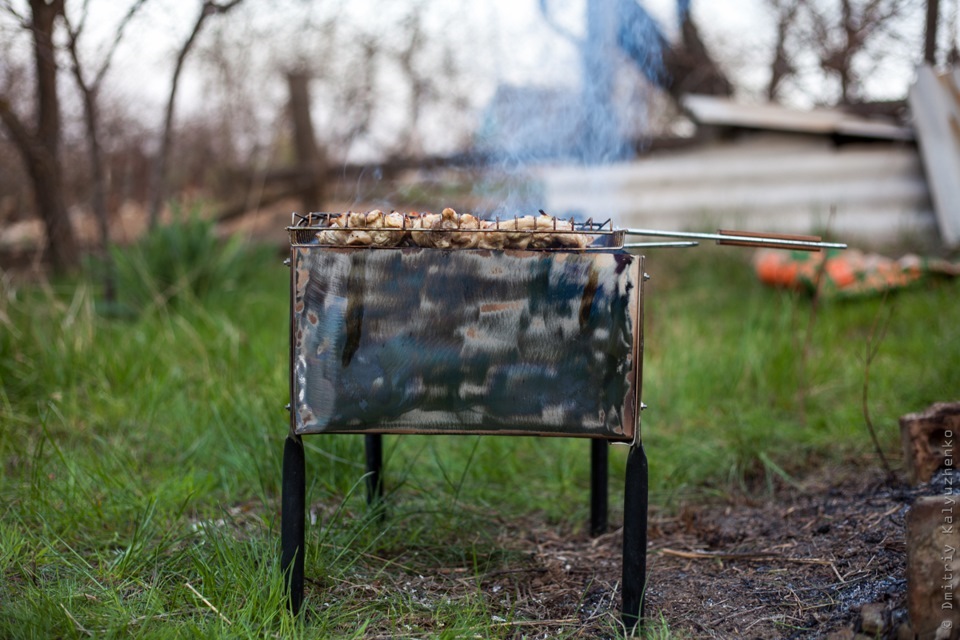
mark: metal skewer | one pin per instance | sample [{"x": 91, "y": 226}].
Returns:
[
  {"x": 645, "y": 245},
  {"x": 746, "y": 239}
]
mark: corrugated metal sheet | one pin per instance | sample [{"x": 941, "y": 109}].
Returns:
[
  {"x": 935, "y": 105},
  {"x": 714, "y": 110},
  {"x": 875, "y": 193}
]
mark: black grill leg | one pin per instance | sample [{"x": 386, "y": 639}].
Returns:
[
  {"x": 635, "y": 538},
  {"x": 374, "y": 447},
  {"x": 292, "y": 517},
  {"x": 598, "y": 486}
]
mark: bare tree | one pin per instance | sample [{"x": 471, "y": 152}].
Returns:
[
  {"x": 378, "y": 83},
  {"x": 89, "y": 91},
  {"x": 689, "y": 66},
  {"x": 845, "y": 40},
  {"x": 685, "y": 66},
  {"x": 782, "y": 65},
  {"x": 39, "y": 143},
  {"x": 421, "y": 86},
  {"x": 626, "y": 27},
  {"x": 355, "y": 96},
  {"x": 207, "y": 9},
  {"x": 840, "y": 39}
]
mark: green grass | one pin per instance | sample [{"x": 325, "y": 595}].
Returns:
[
  {"x": 141, "y": 451},
  {"x": 744, "y": 381}
]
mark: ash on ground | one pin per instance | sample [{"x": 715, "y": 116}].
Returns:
[{"x": 799, "y": 563}]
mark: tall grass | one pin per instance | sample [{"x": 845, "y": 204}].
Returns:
[
  {"x": 141, "y": 452},
  {"x": 744, "y": 381}
]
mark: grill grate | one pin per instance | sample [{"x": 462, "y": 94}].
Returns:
[{"x": 520, "y": 232}]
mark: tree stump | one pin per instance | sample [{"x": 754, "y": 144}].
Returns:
[
  {"x": 927, "y": 439},
  {"x": 933, "y": 568}
]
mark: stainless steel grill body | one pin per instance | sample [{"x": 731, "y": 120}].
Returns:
[{"x": 411, "y": 339}]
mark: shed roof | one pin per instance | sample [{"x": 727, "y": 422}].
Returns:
[{"x": 714, "y": 110}]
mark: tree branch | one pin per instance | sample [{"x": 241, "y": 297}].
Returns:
[
  {"x": 872, "y": 347},
  {"x": 208, "y": 9},
  {"x": 134, "y": 8},
  {"x": 8, "y": 7},
  {"x": 89, "y": 92}
]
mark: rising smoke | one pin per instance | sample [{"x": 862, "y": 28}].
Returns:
[{"x": 526, "y": 126}]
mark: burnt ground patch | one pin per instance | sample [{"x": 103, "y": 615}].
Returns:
[{"x": 798, "y": 562}]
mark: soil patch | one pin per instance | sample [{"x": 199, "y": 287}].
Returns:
[{"x": 796, "y": 564}]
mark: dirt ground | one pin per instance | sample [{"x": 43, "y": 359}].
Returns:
[{"x": 797, "y": 564}]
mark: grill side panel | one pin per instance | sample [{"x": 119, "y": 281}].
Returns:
[{"x": 414, "y": 340}]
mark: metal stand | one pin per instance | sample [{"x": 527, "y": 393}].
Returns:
[
  {"x": 292, "y": 519},
  {"x": 293, "y": 516},
  {"x": 635, "y": 538},
  {"x": 373, "y": 444},
  {"x": 598, "y": 486}
]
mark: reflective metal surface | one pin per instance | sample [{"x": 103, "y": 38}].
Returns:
[{"x": 424, "y": 340}]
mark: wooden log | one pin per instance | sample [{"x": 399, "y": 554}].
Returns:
[
  {"x": 933, "y": 567},
  {"x": 927, "y": 439}
]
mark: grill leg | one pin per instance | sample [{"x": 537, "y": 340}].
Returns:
[
  {"x": 598, "y": 486},
  {"x": 374, "y": 448},
  {"x": 292, "y": 519},
  {"x": 635, "y": 538}
]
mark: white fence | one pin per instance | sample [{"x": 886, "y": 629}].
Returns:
[{"x": 868, "y": 194}]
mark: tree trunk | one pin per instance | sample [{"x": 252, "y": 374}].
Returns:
[
  {"x": 930, "y": 32},
  {"x": 99, "y": 198},
  {"x": 61, "y": 244},
  {"x": 690, "y": 67},
  {"x": 309, "y": 157},
  {"x": 44, "y": 166},
  {"x": 40, "y": 149}
]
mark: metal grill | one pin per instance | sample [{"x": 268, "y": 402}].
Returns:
[
  {"x": 525, "y": 326},
  {"x": 308, "y": 229},
  {"x": 411, "y": 339}
]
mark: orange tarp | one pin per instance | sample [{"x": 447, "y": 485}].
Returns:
[{"x": 845, "y": 273}]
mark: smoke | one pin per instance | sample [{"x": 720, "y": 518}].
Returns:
[{"x": 580, "y": 124}]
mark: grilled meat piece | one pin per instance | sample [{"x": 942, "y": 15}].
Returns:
[
  {"x": 424, "y": 220},
  {"x": 490, "y": 236},
  {"x": 518, "y": 232},
  {"x": 388, "y": 230}
]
